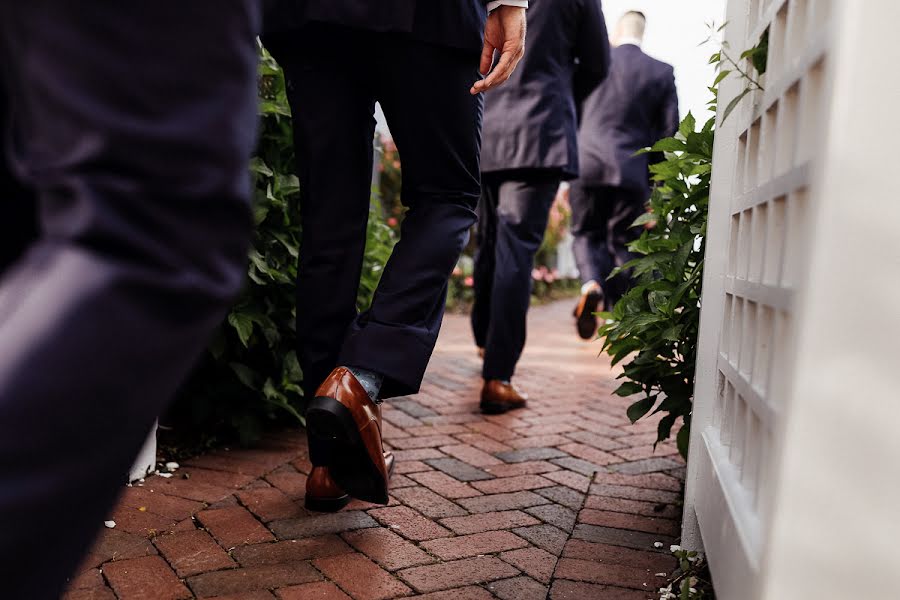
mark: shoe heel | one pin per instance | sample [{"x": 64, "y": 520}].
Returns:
[
  {"x": 334, "y": 435},
  {"x": 321, "y": 450},
  {"x": 326, "y": 505},
  {"x": 327, "y": 430}
]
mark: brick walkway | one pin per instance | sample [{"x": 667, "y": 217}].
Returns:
[{"x": 563, "y": 500}]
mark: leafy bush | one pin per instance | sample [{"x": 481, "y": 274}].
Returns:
[
  {"x": 691, "y": 580},
  {"x": 380, "y": 240},
  {"x": 656, "y": 323},
  {"x": 250, "y": 376},
  {"x": 658, "y": 318}
]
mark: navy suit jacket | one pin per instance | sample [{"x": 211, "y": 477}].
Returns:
[
  {"x": 636, "y": 106},
  {"x": 530, "y": 122},
  {"x": 453, "y": 23}
]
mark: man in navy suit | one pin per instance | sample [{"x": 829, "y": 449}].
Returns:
[
  {"x": 636, "y": 106},
  {"x": 136, "y": 163},
  {"x": 530, "y": 146},
  {"x": 423, "y": 60}
]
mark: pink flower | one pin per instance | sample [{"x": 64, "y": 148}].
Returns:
[
  {"x": 392, "y": 222},
  {"x": 469, "y": 281},
  {"x": 388, "y": 143},
  {"x": 536, "y": 274},
  {"x": 457, "y": 272}
]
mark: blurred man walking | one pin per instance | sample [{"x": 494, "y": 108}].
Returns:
[
  {"x": 137, "y": 164},
  {"x": 636, "y": 106},
  {"x": 423, "y": 60},
  {"x": 529, "y": 148}
]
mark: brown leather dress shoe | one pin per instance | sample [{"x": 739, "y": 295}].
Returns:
[
  {"x": 498, "y": 397},
  {"x": 585, "y": 320},
  {"x": 344, "y": 426},
  {"x": 324, "y": 495}
]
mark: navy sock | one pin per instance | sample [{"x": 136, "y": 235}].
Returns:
[{"x": 370, "y": 380}]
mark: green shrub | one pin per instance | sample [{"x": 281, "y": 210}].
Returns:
[
  {"x": 655, "y": 325},
  {"x": 250, "y": 376},
  {"x": 380, "y": 240},
  {"x": 658, "y": 318}
]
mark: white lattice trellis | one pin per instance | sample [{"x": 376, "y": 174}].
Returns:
[{"x": 772, "y": 204}]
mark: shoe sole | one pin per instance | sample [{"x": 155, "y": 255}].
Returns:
[
  {"x": 585, "y": 321},
  {"x": 491, "y": 408},
  {"x": 335, "y": 438},
  {"x": 326, "y": 504}
]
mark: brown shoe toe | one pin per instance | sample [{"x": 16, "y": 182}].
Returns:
[
  {"x": 498, "y": 397},
  {"x": 585, "y": 319},
  {"x": 344, "y": 424},
  {"x": 323, "y": 494}
]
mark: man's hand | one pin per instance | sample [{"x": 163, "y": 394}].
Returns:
[{"x": 504, "y": 31}]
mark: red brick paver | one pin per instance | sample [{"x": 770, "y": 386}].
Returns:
[{"x": 563, "y": 500}]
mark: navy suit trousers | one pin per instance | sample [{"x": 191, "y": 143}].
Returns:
[
  {"x": 128, "y": 133},
  {"x": 601, "y": 225},
  {"x": 513, "y": 217},
  {"x": 334, "y": 77}
]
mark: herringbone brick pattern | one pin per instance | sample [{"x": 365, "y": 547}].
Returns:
[{"x": 564, "y": 499}]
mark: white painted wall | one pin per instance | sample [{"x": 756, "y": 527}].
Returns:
[{"x": 146, "y": 459}]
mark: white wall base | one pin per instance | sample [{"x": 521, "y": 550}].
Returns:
[{"x": 146, "y": 459}]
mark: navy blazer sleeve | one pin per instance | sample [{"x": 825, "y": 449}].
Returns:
[
  {"x": 592, "y": 50},
  {"x": 668, "y": 119}
]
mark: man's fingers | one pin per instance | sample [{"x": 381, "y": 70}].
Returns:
[
  {"x": 506, "y": 24},
  {"x": 503, "y": 70},
  {"x": 487, "y": 58}
]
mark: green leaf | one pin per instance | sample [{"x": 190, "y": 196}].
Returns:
[
  {"x": 647, "y": 217},
  {"x": 673, "y": 333},
  {"x": 260, "y": 212},
  {"x": 664, "y": 429},
  {"x": 669, "y": 144},
  {"x": 640, "y": 408},
  {"x": 257, "y": 165},
  {"x": 733, "y": 104},
  {"x": 722, "y": 75},
  {"x": 291, "y": 370},
  {"x": 687, "y": 125},
  {"x": 243, "y": 325},
  {"x": 628, "y": 388}
]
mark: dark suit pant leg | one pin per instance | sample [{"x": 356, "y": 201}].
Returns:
[
  {"x": 436, "y": 123},
  {"x": 522, "y": 212},
  {"x": 139, "y": 164},
  {"x": 333, "y": 104},
  {"x": 485, "y": 254},
  {"x": 18, "y": 227},
  {"x": 625, "y": 206},
  {"x": 590, "y": 228}
]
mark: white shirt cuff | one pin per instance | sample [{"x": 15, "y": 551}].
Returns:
[{"x": 495, "y": 3}]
